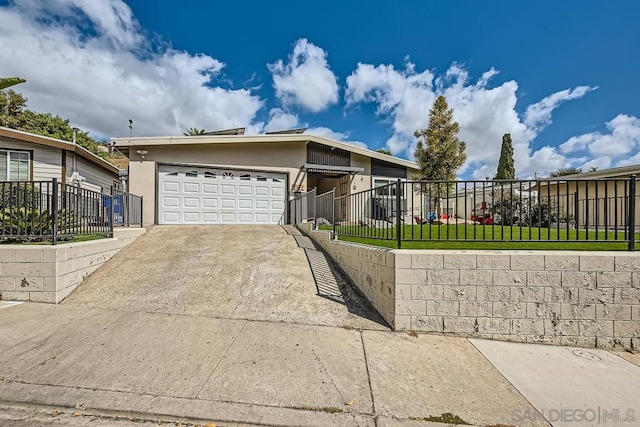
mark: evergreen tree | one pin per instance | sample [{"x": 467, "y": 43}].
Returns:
[
  {"x": 194, "y": 132},
  {"x": 439, "y": 153},
  {"x": 384, "y": 151},
  {"x": 506, "y": 168}
]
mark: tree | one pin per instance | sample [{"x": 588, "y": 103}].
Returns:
[
  {"x": 194, "y": 132},
  {"x": 6, "y": 82},
  {"x": 439, "y": 153},
  {"x": 506, "y": 168},
  {"x": 14, "y": 114},
  {"x": 384, "y": 151},
  {"x": 565, "y": 172}
]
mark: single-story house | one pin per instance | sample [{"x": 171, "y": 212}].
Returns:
[
  {"x": 29, "y": 157},
  {"x": 598, "y": 197},
  {"x": 247, "y": 179}
]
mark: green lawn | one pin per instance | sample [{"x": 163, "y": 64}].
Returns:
[
  {"x": 75, "y": 239},
  {"x": 485, "y": 237}
]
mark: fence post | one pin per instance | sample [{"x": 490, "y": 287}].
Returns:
[
  {"x": 632, "y": 213},
  {"x": 141, "y": 211},
  {"x": 398, "y": 214},
  {"x": 110, "y": 215},
  {"x": 333, "y": 213},
  {"x": 54, "y": 213},
  {"x": 315, "y": 210}
]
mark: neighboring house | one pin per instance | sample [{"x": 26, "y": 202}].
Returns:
[
  {"x": 29, "y": 157},
  {"x": 238, "y": 179},
  {"x": 475, "y": 199},
  {"x": 599, "y": 197}
]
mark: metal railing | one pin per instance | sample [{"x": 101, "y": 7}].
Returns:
[
  {"x": 53, "y": 211},
  {"x": 50, "y": 210},
  {"x": 127, "y": 208},
  {"x": 302, "y": 208},
  {"x": 532, "y": 211}
]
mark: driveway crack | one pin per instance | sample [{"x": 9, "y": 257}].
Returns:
[{"x": 220, "y": 361}]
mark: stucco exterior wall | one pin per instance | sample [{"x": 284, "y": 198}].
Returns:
[
  {"x": 281, "y": 157},
  {"x": 50, "y": 273}
]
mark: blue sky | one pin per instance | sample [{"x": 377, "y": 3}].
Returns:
[{"x": 559, "y": 76}]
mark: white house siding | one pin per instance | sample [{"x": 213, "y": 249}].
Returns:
[
  {"x": 93, "y": 174},
  {"x": 46, "y": 162}
]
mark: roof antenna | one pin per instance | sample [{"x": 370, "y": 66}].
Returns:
[{"x": 131, "y": 128}]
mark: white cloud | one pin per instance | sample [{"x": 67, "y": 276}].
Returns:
[
  {"x": 484, "y": 113},
  {"x": 538, "y": 115},
  {"x": 280, "y": 120},
  {"x": 101, "y": 78},
  {"x": 622, "y": 139},
  {"x": 306, "y": 80},
  {"x": 337, "y": 136}
]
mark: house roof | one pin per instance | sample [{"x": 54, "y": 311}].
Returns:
[
  {"x": 267, "y": 138},
  {"x": 605, "y": 173},
  {"x": 57, "y": 143}
]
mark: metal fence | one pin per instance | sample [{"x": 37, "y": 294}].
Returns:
[
  {"x": 127, "y": 208},
  {"x": 541, "y": 210},
  {"x": 53, "y": 211}
]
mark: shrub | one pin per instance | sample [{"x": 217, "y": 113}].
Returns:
[
  {"x": 19, "y": 195},
  {"x": 23, "y": 224}
]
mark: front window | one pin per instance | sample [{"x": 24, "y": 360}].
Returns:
[
  {"x": 382, "y": 190},
  {"x": 14, "y": 165}
]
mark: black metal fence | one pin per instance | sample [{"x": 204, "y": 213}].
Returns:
[
  {"x": 53, "y": 211},
  {"x": 541, "y": 210},
  {"x": 127, "y": 209}
]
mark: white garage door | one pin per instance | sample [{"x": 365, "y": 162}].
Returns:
[{"x": 196, "y": 195}]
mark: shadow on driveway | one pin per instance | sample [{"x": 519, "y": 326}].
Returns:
[{"x": 332, "y": 283}]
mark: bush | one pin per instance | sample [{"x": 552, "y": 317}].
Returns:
[
  {"x": 19, "y": 195},
  {"x": 546, "y": 211},
  {"x": 23, "y": 224}
]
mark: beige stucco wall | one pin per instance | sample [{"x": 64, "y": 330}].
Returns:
[{"x": 278, "y": 157}]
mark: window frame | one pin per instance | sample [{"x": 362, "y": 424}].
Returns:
[{"x": 8, "y": 152}]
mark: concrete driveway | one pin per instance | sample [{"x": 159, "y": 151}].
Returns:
[{"x": 233, "y": 272}]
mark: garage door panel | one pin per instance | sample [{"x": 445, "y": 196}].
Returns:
[
  {"x": 171, "y": 202},
  {"x": 210, "y": 217},
  {"x": 229, "y": 218},
  {"x": 209, "y": 202},
  {"x": 228, "y": 203},
  {"x": 191, "y": 202},
  {"x": 228, "y": 189},
  {"x": 191, "y": 217},
  {"x": 245, "y": 190},
  {"x": 245, "y": 204},
  {"x": 191, "y": 187},
  {"x": 199, "y": 195},
  {"x": 262, "y": 218},
  {"x": 210, "y": 188},
  {"x": 171, "y": 217},
  {"x": 171, "y": 186}
]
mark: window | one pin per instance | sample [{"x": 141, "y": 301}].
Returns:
[
  {"x": 191, "y": 174},
  {"x": 209, "y": 174},
  {"x": 14, "y": 165},
  {"x": 382, "y": 190}
]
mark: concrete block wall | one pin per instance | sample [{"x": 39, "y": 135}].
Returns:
[
  {"x": 370, "y": 268},
  {"x": 588, "y": 299},
  {"x": 46, "y": 273}
]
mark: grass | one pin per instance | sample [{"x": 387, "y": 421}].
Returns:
[
  {"x": 485, "y": 237},
  {"x": 75, "y": 239}
]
